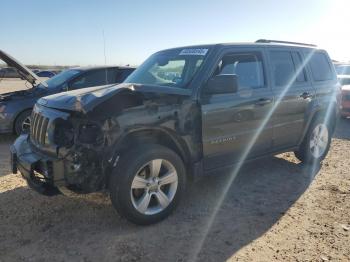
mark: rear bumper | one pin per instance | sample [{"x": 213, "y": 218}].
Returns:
[{"x": 42, "y": 173}]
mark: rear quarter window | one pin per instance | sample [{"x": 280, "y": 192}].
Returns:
[
  {"x": 123, "y": 74},
  {"x": 320, "y": 67}
]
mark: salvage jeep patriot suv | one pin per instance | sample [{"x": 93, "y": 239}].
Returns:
[{"x": 183, "y": 113}]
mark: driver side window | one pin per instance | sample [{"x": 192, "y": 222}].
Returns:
[{"x": 247, "y": 66}]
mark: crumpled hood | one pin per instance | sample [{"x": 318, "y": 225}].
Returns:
[{"x": 84, "y": 100}]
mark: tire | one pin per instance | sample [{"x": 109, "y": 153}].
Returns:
[
  {"x": 22, "y": 120},
  {"x": 43, "y": 188},
  {"x": 317, "y": 141},
  {"x": 131, "y": 184}
]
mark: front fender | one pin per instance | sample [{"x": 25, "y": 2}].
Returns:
[{"x": 147, "y": 134}]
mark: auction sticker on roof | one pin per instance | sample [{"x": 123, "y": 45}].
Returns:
[{"x": 194, "y": 51}]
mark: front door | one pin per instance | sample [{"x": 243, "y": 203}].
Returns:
[{"x": 236, "y": 126}]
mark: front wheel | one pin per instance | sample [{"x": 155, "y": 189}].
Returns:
[
  {"x": 23, "y": 122},
  {"x": 147, "y": 184},
  {"x": 316, "y": 143}
]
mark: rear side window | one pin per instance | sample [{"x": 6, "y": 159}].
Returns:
[
  {"x": 299, "y": 67},
  {"x": 123, "y": 74},
  {"x": 118, "y": 75},
  {"x": 283, "y": 68},
  {"x": 247, "y": 66},
  {"x": 320, "y": 67},
  {"x": 110, "y": 76}
]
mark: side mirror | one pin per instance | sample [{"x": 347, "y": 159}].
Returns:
[{"x": 222, "y": 84}]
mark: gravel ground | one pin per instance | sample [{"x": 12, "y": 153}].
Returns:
[
  {"x": 14, "y": 84},
  {"x": 276, "y": 210}
]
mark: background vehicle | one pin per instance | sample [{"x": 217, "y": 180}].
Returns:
[
  {"x": 36, "y": 71},
  {"x": 45, "y": 73},
  {"x": 183, "y": 113},
  {"x": 56, "y": 71},
  {"x": 9, "y": 72},
  {"x": 345, "y": 112},
  {"x": 16, "y": 107},
  {"x": 343, "y": 71}
]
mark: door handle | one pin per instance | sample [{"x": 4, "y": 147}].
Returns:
[
  {"x": 306, "y": 95},
  {"x": 263, "y": 101}
]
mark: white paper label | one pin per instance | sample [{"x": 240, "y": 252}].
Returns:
[{"x": 194, "y": 51}]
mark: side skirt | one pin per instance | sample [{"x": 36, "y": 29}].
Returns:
[{"x": 199, "y": 172}]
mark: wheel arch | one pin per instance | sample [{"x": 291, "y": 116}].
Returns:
[
  {"x": 319, "y": 111},
  {"x": 16, "y": 118},
  {"x": 161, "y": 136}
]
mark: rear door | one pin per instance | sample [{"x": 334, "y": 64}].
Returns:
[
  {"x": 235, "y": 126},
  {"x": 293, "y": 92}
]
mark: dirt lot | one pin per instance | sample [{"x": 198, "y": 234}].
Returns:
[
  {"x": 276, "y": 210},
  {"x": 13, "y": 84}
]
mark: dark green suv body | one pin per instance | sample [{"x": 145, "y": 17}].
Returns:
[{"x": 183, "y": 113}]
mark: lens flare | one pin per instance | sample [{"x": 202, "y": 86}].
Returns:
[{"x": 243, "y": 157}]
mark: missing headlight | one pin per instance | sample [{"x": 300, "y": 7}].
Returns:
[
  {"x": 90, "y": 133},
  {"x": 64, "y": 133}
]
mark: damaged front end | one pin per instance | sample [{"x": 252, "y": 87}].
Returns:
[{"x": 76, "y": 139}]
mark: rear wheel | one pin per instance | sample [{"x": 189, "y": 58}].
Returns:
[
  {"x": 316, "y": 143},
  {"x": 147, "y": 184},
  {"x": 22, "y": 123}
]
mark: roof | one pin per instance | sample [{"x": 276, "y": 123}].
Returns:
[
  {"x": 250, "y": 44},
  {"x": 87, "y": 68},
  {"x": 341, "y": 63}
]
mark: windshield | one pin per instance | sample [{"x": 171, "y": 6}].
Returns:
[
  {"x": 173, "y": 68},
  {"x": 62, "y": 77},
  {"x": 342, "y": 69}
]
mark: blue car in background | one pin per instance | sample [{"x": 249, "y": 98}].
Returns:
[
  {"x": 16, "y": 107},
  {"x": 45, "y": 73}
]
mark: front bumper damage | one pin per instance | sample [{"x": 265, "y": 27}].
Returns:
[
  {"x": 78, "y": 151},
  {"x": 43, "y": 174},
  {"x": 48, "y": 173}
]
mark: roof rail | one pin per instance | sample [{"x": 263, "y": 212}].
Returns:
[{"x": 282, "y": 42}]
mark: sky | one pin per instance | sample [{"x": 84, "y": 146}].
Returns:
[{"x": 79, "y": 32}]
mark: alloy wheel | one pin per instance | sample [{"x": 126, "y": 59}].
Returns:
[
  {"x": 26, "y": 124},
  {"x": 154, "y": 187},
  {"x": 319, "y": 140}
]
